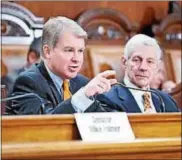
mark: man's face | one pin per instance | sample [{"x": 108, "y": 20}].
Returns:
[
  {"x": 66, "y": 59},
  {"x": 142, "y": 66}
]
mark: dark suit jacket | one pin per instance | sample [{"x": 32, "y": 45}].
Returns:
[
  {"x": 37, "y": 80},
  {"x": 121, "y": 99}
]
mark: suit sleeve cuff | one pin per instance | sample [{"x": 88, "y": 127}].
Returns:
[{"x": 80, "y": 101}]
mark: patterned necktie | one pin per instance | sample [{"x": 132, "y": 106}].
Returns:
[
  {"x": 66, "y": 92},
  {"x": 146, "y": 101}
]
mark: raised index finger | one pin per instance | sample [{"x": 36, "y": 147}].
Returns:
[{"x": 108, "y": 73}]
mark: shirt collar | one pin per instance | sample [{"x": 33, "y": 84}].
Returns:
[
  {"x": 57, "y": 80},
  {"x": 130, "y": 84},
  {"x": 138, "y": 95}
]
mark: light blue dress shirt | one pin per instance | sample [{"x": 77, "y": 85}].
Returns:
[{"x": 79, "y": 100}]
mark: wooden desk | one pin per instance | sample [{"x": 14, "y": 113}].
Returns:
[
  {"x": 63, "y": 128},
  {"x": 158, "y": 136},
  {"x": 139, "y": 149}
]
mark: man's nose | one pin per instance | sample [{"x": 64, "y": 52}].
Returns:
[
  {"x": 75, "y": 56},
  {"x": 143, "y": 66}
]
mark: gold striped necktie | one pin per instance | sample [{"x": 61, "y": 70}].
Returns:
[
  {"x": 146, "y": 101},
  {"x": 66, "y": 92}
]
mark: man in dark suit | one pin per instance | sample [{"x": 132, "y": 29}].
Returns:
[
  {"x": 33, "y": 55},
  {"x": 142, "y": 60},
  {"x": 55, "y": 82}
]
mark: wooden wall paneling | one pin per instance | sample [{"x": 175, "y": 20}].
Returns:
[
  {"x": 19, "y": 26},
  {"x": 134, "y": 10},
  {"x": 173, "y": 62},
  {"x": 14, "y": 56},
  {"x": 168, "y": 33},
  {"x": 177, "y": 95},
  {"x": 44, "y": 128},
  {"x": 106, "y": 58},
  {"x": 176, "y": 64},
  {"x": 107, "y": 24},
  {"x": 3, "y": 95},
  {"x": 87, "y": 69},
  {"x": 170, "y": 75}
]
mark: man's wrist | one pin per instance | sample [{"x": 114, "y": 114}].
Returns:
[{"x": 81, "y": 101}]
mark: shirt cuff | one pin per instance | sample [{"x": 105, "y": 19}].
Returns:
[{"x": 80, "y": 101}]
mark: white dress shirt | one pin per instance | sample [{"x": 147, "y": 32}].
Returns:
[{"x": 138, "y": 96}]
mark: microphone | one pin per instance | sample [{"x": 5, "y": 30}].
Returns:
[
  {"x": 146, "y": 90},
  {"x": 25, "y": 96}
]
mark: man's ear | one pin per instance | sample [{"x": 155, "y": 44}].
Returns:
[
  {"x": 124, "y": 62},
  {"x": 46, "y": 51}
]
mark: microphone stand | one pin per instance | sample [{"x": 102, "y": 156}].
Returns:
[{"x": 24, "y": 96}]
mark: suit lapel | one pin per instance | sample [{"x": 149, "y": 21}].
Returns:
[
  {"x": 52, "y": 91},
  {"x": 127, "y": 100},
  {"x": 55, "y": 93},
  {"x": 72, "y": 86},
  {"x": 156, "y": 101}
]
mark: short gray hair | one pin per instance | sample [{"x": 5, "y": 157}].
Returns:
[
  {"x": 54, "y": 28},
  {"x": 138, "y": 40}
]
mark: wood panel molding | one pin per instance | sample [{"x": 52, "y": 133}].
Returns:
[
  {"x": 55, "y": 127},
  {"x": 139, "y": 149},
  {"x": 106, "y": 23},
  {"x": 177, "y": 95},
  {"x": 56, "y": 137}
]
